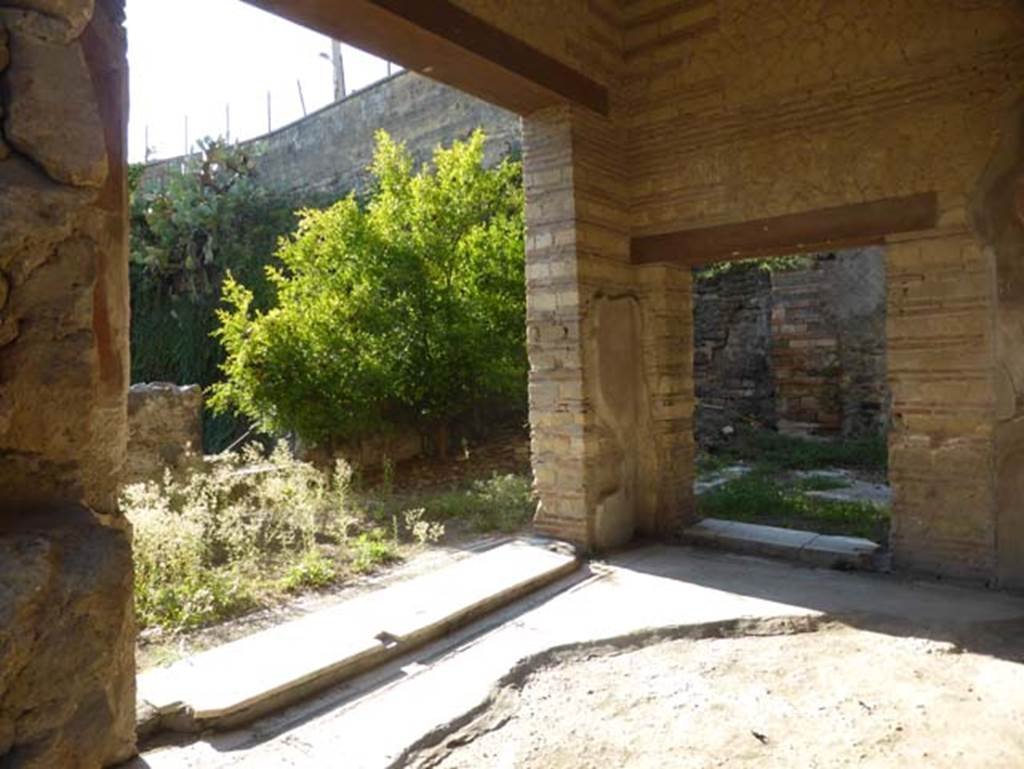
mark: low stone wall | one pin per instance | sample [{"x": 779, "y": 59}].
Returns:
[{"x": 165, "y": 424}]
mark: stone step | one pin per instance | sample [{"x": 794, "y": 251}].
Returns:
[
  {"x": 245, "y": 679},
  {"x": 809, "y": 547}
]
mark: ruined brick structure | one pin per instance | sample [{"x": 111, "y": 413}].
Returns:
[
  {"x": 798, "y": 347},
  {"x": 165, "y": 426},
  {"x": 828, "y": 345},
  {"x": 658, "y": 135},
  {"x": 732, "y": 346}
]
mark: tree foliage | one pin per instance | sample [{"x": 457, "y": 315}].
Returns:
[
  {"x": 188, "y": 229},
  {"x": 406, "y": 309}
]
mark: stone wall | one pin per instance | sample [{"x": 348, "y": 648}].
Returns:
[
  {"x": 732, "y": 365},
  {"x": 165, "y": 425},
  {"x": 805, "y": 351},
  {"x": 858, "y": 301},
  {"x": 66, "y": 629},
  {"x": 327, "y": 153},
  {"x": 800, "y": 349}
]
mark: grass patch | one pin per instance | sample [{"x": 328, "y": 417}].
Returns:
[
  {"x": 790, "y": 452},
  {"x": 235, "y": 534},
  {"x": 760, "y": 497},
  {"x": 822, "y": 483},
  {"x": 501, "y": 503},
  {"x": 243, "y": 531}
]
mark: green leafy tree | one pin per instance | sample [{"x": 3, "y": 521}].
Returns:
[
  {"x": 187, "y": 229},
  {"x": 408, "y": 309}
]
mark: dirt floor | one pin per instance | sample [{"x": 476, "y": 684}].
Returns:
[{"x": 837, "y": 697}]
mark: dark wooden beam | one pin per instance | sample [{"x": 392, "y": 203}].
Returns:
[
  {"x": 447, "y": 43},
  {"x": 858, "y": 224}
]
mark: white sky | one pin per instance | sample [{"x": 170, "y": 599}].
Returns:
[{"x": 194, "y": 57}]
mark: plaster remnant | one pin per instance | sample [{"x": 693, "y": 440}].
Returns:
[{"x": 51, "y": 113}]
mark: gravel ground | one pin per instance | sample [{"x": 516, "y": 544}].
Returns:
[{"x": 838, "y": 697}]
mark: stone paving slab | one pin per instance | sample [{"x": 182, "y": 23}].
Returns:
[
  {"x": 806, "y": 546},
  {"x": 371, "y": 721},
  {"x": 252, "y": 676}
]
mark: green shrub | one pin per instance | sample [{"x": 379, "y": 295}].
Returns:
[
  {"x": 187, "y": 230},
  {"x": 409, "y": 309},
  {"x": 372, "y": 549},
  {"x": 206, "y": 546},
  {"x": 312, "y": 570}
]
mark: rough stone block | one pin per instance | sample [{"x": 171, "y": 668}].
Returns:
[
  {"x": 52, "y": 112},
  {"x": 58, "y": 21},
  {"x": 67, "y": 673},
  {"x": 165, "y": 423}
]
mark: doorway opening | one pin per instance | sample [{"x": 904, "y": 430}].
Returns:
[{"x": 792, "y": 411}]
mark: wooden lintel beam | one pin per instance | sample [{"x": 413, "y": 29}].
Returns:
[
  {"x": 441, "y": 40},
  {"x": 858, "y": 224}
]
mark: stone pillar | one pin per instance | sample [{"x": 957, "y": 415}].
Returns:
[
  {"x": 611, "y": 395},
  {"x": 998, "y": 217},
  {"x": 66, "y": 630},
  {"x": 956, "y": 357},
  {"x": 939, "y": 324}
]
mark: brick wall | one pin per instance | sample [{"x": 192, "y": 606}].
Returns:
[
  {"x": 940, "y": 334},
  {"x": 805, "y": 351},
  {"x": 732, "y": 367},
  {"x": 798, "y": 348}
]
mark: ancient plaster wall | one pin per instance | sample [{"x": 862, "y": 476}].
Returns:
[
  {"x": 998, "y": 216},
  {"x": 940, "y": 336},
  {"x": 63, "y": 360},
  {"x": 328, "y": 152},
  {"x": 584, "y": 34},
  {"x": 66, "y": 628}
]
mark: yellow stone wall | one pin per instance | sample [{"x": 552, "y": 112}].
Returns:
[{"x": 723, "y": 111}]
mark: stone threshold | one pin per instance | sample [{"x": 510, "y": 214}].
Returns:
[
  {"x": 241, "y": 681},
  {"x": 823, "y": 550}
]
